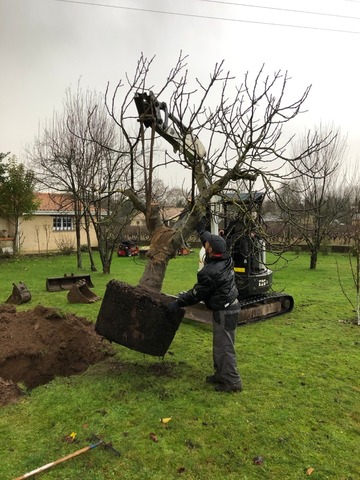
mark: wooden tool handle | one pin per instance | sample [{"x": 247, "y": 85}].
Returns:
[{"x": 56, "y": 462}]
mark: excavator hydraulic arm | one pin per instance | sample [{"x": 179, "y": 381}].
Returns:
[{"x": 155, "y": 114}]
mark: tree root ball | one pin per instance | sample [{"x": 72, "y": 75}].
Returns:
[
  {"x": 137, "y": 318},
  {"x": 40, "y": 344}
]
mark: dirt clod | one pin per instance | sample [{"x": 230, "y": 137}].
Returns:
[
  {"x": 9, "y": 392},
  {"x": 40, "y": 344}
]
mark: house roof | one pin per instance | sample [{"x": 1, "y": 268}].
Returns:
[
  {"x": 57, "y": 203},
  {"x": 54, "y": 203}
]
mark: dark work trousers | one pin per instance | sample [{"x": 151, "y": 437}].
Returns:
[{"x": 224, "y": 328}]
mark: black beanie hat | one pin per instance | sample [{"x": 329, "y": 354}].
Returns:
[{"x": 217, "y": 243}]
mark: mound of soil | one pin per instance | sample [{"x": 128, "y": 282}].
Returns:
[{"x": 38, "y": 345}]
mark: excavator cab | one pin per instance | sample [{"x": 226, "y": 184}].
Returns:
[
  {"x": 247, "y": 247},
  {"x": 252, "y": 276}
]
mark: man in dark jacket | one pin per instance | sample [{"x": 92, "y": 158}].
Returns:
[{"x": 217, "y": 289}]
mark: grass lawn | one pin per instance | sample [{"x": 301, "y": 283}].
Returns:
[{"x": 300, "y": 407}]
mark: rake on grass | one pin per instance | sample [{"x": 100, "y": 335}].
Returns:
[{"x": 97, "y": 441}]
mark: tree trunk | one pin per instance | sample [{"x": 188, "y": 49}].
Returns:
[
  {"x": 88, "y": 240},
  {"x": 104, "y": 255},
  {"x": 78, "y": 242},
  {"x": 313, "y": 260},
  {"x": 16, "y": 241},
  {"x": 92, "y": 262},
  {"x": 106, "y": 266},
  {"x": 154, "y": 274},
  {"x": 163, "y": 247}
]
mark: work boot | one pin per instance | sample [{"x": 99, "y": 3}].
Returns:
[
  {"x": 225, "y": 387},
  {"x": 214, "y": 379}
]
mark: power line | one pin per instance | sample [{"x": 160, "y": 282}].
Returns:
[
  {"x": 282, "y": 9},
  {"x": 206, "y": 17}
]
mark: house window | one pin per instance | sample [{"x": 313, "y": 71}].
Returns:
[{"x": 63, "y": 223}]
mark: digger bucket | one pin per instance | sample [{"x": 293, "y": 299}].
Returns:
[
  {"x": 20, "y": 294},
  {"x": 80, "y": 293},
  {"x": 57, "y": 284}
]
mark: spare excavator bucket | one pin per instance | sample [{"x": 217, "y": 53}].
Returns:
[
  {"x": 20, "y": 294},
  {"x": 57, "y": 284},
  {"x": 80, "y": 293}
]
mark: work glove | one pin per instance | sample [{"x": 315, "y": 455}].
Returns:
[{"x": 173, "y": 307}]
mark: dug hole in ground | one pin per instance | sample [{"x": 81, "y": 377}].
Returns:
[{"x": 41, "y": 344}]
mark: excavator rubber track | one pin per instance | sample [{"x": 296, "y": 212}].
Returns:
[
  {"x": 253, "y": 309},
  {"x": 262, "y": 307}
]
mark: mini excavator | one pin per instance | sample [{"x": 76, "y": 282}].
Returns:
[{"x": 240, "y": 213}]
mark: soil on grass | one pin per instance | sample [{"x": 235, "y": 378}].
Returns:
[{"x": 38, "y": 345}]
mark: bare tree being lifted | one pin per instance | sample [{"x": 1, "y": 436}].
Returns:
[{"x": 245, "y": 138}]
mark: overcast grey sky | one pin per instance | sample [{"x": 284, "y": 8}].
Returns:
[{"x": 47, "y": 45}]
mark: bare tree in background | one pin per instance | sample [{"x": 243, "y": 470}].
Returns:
[
  {"x": 176, "y": 197},
  {"x": 353, "y": 191},
  {"x": 56, "y": 160},
  {"x": 89, "y": 167},
  {"x": 314, "y": 203}
]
